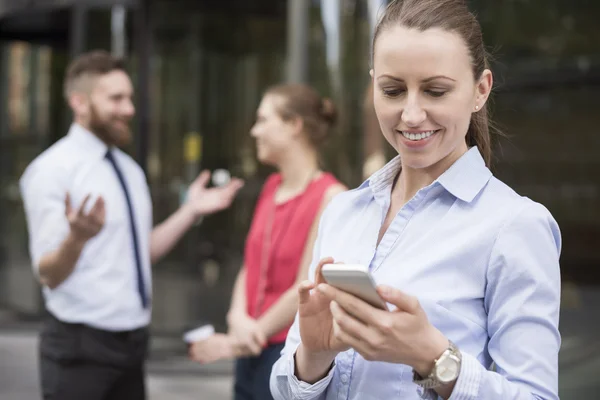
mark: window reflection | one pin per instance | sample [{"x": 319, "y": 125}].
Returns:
[
  {"x": 209, "y": 68},
  {"x": 27, "y": 69}
]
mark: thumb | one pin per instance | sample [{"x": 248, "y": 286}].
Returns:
[
  {"x": 202, "y": 179},
  {"x": 318, "y": 276},
  {"x": 404, "y": 302},
  {"x": 260, "y": 338}
]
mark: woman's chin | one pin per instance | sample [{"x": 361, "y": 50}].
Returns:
[
  {"x": 418, "y": 161},
  {"x": 265, "y": 159}
]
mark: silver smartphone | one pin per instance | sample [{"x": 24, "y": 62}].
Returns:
[{"x": 354, "y": 279}]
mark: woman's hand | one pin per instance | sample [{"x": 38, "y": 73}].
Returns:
[
  {"x": 315, "y": 318},
  {"x": 402, "y": 336},
  {"x": 217, "y": 347},
  {"x": 246, "y": 330}
]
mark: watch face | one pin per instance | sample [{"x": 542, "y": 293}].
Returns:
[{"x": 447, "y": 369}]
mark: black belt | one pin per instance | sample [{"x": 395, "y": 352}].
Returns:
[
  {"x": 125, "y": 335},
  {"x": 76, "y": 342}
]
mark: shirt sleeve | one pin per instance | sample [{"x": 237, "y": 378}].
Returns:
[
  {"x": 522, "y": 301},
  {"x": 43, "y": 190},
  {"x": 283, "y": 382}
]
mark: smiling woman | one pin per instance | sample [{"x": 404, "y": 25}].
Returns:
[
  {"x": 442, "y": 91},
  {"x": 425, "y": 107},
  {"x": 470, "y": 266}
]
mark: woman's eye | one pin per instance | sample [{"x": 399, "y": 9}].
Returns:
[
  {"x": 392, "y": 92},
  {"x": 436, "y": 93}
]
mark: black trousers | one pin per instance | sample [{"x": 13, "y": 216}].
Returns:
[
  {"x": 78, "y": 362},
  {"x": 252, "y": 374}
]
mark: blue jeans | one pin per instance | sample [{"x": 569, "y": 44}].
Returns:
[{"x": 252, "y": 374}]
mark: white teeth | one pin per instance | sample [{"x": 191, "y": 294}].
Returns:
[{"x": 417, "y": 136}]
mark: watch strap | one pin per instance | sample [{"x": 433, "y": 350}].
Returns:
[{"x": 431, "y": 381}]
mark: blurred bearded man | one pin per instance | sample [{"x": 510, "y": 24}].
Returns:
[{"x": 92, "y": 240}]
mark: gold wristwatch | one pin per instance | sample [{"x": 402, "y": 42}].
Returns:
[{"x": 445, "y": 370}]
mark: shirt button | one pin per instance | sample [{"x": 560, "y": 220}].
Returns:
[{"x": 344, "y": 378}]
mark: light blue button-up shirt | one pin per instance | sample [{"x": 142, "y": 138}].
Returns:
[{"x": 483, "y": 262}]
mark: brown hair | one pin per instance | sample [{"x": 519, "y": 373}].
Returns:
[
  {"x": 452, "y": 16},
  {"x": 90, "y": 65},
  {"x": 301, "y": 101}
]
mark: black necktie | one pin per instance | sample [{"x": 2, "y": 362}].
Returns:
[{"x": 134, "y": 236}]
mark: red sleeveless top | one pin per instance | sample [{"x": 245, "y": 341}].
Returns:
[{"x": 276, "y": 242}]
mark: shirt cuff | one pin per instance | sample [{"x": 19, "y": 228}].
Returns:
[
  {"x": 469, "y": 380},
  {"x": 302, "y": 390}
]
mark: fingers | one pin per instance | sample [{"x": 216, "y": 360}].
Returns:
[
  {"x": 239, "y": 350},
  {"x": 68, "y": 208},
  {"x": 304, "y": 291},
  {"x": 230, "y": 191},
  {"x": 235, "y": 185},
  {"x": 216, "y": 347},
  {"x": 403, "y": 301},
  {"x": 351, "y": 304},
  {"x": 348, "y": 324},
  {"x": 253, "y": 346},
  {"x": 347, "y": 339},
  {"x": 206, "y": 355},
  {"x": 318, "y": 276},
  {"x": 81, "y": 212},
  {"x": 306, "y": 286},
  {"x": 242, "y": 350},
  {"x": 260, "y": 338},
  {"x": 86, "y": 225},
  {"x": 250, "y": 337},
  {"x": 202, "y": 179},
  {"x": 198, "y": 352},
  {"x": 98, "y": 211},
  {"x": 102, "y": 211}
]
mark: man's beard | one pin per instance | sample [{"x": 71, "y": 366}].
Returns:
[{"x": 107, "y": 131}]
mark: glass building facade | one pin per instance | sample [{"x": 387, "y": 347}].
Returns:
[{"x": 200, "y": 68}]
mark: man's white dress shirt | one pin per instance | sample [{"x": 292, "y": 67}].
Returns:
[{"x": 102, "y": 291}]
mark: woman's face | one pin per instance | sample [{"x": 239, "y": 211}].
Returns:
[
  {"x": 274, "y": 135},
  {"x": 425, "y": 93}
]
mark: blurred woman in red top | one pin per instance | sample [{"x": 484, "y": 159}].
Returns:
[{"x": 292, "y": 122}]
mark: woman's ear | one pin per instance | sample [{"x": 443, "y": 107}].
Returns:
[
  {"x": 483, "y": 89},
  {"x": 297, "y": 124}
]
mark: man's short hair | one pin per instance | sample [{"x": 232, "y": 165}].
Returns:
[{"x": 84, "y": 68}]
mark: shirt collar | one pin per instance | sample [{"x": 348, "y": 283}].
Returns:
[
  {"x": 87, "y": 141},
  {"x": 464, "y": 179},
  {"x": 384, "y": 178},
  {"x": 467, "y": 176}
]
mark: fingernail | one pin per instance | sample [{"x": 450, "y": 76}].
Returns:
[{"x": 322, "y": 288}]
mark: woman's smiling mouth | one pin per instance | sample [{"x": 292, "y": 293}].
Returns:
[{"x": 416, "y": 136}]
